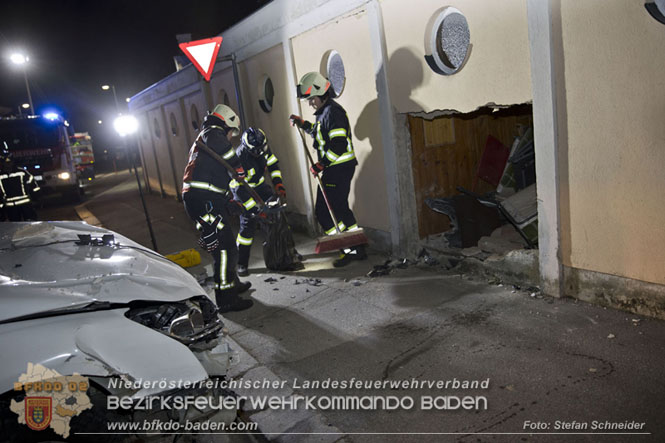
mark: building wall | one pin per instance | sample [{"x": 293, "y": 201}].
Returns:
[
  {"x": 615, "y": 99},
  {"x": 282, "y": 138},
  {"x": 159, "y": 135},
  {"x": 497, "y": 69},
  {"x": 349, "y": 36},
  {"x": 178, "y": 135}
]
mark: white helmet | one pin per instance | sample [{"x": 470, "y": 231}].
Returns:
[
  {"x": 229, "y": 118},
  {"x": 312, "y": 84}
]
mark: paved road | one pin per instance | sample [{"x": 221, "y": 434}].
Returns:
[{"x": 553, "y": 366}]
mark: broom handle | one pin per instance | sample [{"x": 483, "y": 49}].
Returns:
[
  {"x": 323, "y": 192},
  {"x": 233, "y": 172}
]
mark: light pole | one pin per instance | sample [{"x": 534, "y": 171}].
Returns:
[
  {"x": 115, "y": 97},
  {"x": 126, "y": 125},
  {"x": 20, "y": 59}
]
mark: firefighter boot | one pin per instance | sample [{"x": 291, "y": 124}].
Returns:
[
  {"x": 241, "y": 287},
  {"x": 348, "y": 255},
  {"x": 228, "y": 301}
]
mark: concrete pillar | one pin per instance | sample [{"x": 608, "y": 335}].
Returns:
[
  {"x": 396, "y": 157},
  {"x": 548, "y": 113},
  {"x": 294, "y": 106}
]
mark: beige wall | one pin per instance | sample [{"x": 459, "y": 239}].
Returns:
[
  {"x": 148, "y": 153},
  {"x": 179, "y": 142},
  {"x": 222, "y": 80},
  {"x": 614, "y": 65},
  {"x": 161, "y": 151},
  {"x": 497, "y": 69},
  {"x": 281, "y": 136},
  {"x": 349, "y": 35}
]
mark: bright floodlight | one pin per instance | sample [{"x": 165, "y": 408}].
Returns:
[
  {"x": 25, "y": 105},
  {"x": 99, "y": 122},
  {"x": 127, "y": 99},
  {"x": 51, "y": 116},
  {"x": 18, "y": 58},
  {"x": 106, "y": 87},
  {"x": 125, "y": 125}
]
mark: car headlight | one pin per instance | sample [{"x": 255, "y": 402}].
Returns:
[
  {"x": 64, "y": 176},
  {"x": 191, "y": 321}
]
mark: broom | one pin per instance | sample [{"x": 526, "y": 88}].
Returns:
[{"x": 341, "y": 240}]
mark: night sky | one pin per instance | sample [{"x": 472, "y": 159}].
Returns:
[{"x": 78, "y": 45}]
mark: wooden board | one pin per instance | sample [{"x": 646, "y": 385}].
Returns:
[{"x": 446, "y": 151}]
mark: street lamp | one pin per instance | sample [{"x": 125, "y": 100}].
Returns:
[
  {"x": 127, "y": 125},
  {"x": 19, "y": 59},
  {"x": 115, "y": 97}
]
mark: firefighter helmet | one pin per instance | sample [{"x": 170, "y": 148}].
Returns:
[
  {"x": 312, "y": 84},
  {"x": 229, "y": 118},
  {"x": 255, "y": 140}
]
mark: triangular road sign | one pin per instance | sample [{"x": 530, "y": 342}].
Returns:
[{"x": 203, "y": 54}]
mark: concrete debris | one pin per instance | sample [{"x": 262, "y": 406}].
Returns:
[
  {"x": 593, "y": 370},
  {"x": 427, "y": 258},
  {"x": 472, "y": 251},
  {"x": 270, "y": 280},
  {"x": 611, "y": 336},
  {"x": 309, "y": 281},
  {"x": 379, "y": 270}
]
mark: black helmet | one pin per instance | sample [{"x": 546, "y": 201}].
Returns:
[{"x": 255, "y": 140}]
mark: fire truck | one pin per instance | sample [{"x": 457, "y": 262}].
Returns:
[
  {"x": 40, "y": 144},
  {"x": 84, "y": 157}
]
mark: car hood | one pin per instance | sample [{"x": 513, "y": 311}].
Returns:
[{"x": 42, "y": 268}]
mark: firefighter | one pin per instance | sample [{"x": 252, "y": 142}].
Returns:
[
  {"x": 336, "y": 158},
  {"x": 206, "y": 194},
  {"x": 17, "y": 190},
  {"x": 256, "y": 158}
]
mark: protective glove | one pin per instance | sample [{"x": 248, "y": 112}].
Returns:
[
  {"x": 281, "y": 190},
  {"x": 316, "y": 168},
  {"x": 296, "y": 120},
  {"x": 208, "y": 239}
]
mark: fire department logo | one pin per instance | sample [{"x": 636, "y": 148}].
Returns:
[
  {"x": 51, "y": 399},
  {"x": 38, "y": 412}
]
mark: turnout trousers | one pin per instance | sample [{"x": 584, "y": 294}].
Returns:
[
  {"x": 200, "y": 204},
  {"x": 337, "y": 183},
  {"x": 248, "y": 227}
]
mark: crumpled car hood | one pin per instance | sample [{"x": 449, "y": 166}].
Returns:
[{"x": 42, "y": 268}]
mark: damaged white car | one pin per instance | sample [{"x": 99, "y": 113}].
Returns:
[{"x": 81, "y": 301}]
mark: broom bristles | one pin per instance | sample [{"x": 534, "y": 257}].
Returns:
[{"x": 344, "y": 240}]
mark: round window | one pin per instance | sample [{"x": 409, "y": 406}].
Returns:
[
  {"x": 158, "y": 130},
  {"x": 174, "y": 125},
  {"x": 332, "y": 67},
  {"x": 194, "y": 113},
  {"x": 266, "y": 93},
  {"x": 447, "y": 41}
]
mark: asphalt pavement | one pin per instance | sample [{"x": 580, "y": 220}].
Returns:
[{"x": 417, "y": 352}]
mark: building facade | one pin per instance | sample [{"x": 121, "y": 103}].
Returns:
[{"x": 424, "y": 85}]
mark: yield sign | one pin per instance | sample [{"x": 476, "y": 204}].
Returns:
[{"x": 203, "y": 54}]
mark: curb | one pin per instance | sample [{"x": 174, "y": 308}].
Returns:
[{"x": 87, "y": 216}]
